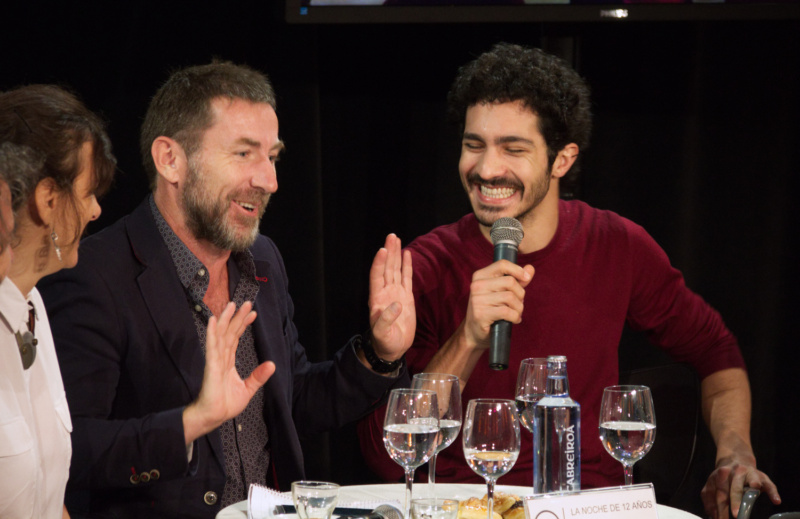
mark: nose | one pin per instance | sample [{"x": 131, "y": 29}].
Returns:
[
  {"x": 490, "y": 164},
  {"x": 96, "y": 209},
  {"x": 266, "y": 176}
]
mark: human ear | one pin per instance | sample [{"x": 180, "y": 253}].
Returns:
[
  {"x": 169, "y": 158},
  {"x": 43, "y": 202},
  {"x": 565, "y": 159}
]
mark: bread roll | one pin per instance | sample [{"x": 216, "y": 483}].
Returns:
[
  {"x": 502, "y": 501},
  {"x": 474, "y": 508},
  {"x": 517, "y": 511}
]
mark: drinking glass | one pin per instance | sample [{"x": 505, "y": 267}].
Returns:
[
  {"x": 409, "y": 431},
  {"x": 627, "y": 424},
  {"x": 314, "y": 499},
  {"x": 531, "y": 387},
  {"x": 491, "y": 440},
  {"x": 448, "y": 394},
  {"x": 433, "y": 508}
]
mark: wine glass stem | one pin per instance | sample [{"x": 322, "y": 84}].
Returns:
[
  {"x": 489, "y": 498},
  {"x": 409, "y": 482},
  {"x": 432, "y": 475},
  {"x": 628, "y": 473}
]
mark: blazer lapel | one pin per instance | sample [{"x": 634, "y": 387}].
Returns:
[{"x": 165, "y": 298}]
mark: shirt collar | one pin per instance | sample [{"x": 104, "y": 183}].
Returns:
[{"x": 13, "y": 306}]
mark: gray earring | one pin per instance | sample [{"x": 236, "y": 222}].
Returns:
[{"x": 54, "y": 237}]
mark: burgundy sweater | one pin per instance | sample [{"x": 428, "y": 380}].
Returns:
[{"x": 599, "y": 271}]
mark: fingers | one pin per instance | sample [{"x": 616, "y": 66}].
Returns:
[
  {"x": 495, "y": 295},
  {"x": 389, "y": 266},
  {"x": 736, "y": 490},
  {"x": 259, "y": 376},
  {"x": 408, "y": 271},
  {"x": 388, "y": 316},
  {"x": 392, "y": 273}
]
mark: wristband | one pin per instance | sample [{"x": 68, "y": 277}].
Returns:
[{"x": 379, "y": 365}]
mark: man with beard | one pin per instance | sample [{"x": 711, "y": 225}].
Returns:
[
  {"x": 179, "y": 401},
  {"x": 582, "y": 273}
]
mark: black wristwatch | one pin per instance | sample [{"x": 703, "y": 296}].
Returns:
[{"x": 364, "y": 342}]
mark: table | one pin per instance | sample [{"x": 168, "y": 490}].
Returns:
[{"x": 396, "y": 492}]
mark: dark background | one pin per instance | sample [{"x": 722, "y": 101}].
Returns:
[{"x": 695, "y": 137}]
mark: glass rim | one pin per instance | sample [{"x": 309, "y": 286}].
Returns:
[
  {"x": 622, "y": 388},
  {"x": 434, "y": 499},
  {"x": 429, "y": 375},
  {"x": 492, "y": 401},
  {"x": 315, "y": 484},
  {"x": 411, "y": 390},
  {"x": 537, "y": 360}
]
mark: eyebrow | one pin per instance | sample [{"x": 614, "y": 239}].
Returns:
[
  {"x": 500, "y": 140},
  {"x": 279, "y": 146}
]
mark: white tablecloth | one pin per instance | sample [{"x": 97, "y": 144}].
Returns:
[{"x": 396, "y": 492}]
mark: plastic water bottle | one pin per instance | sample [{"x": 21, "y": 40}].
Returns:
[{"x": 557, "y": 434}]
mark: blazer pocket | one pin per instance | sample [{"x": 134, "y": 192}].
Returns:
[{"x": 15, "y": 438}]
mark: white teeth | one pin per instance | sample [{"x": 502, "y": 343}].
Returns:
[
  {"x": 497, "y": 192},
  {"x": 247, "y": 206}
]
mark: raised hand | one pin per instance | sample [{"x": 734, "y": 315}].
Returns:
[
  {"x": 223, "y": 394},
  {"x": 392, "y": 315}
]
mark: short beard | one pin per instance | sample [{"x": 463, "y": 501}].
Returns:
[
  {"x": 206, "y": 217},
  {"x": 491, "y": 214}
]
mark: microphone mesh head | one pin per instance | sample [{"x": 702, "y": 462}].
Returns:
[
  {"x": 507, "y": 230},
  {"x": 388, "y": 512}
]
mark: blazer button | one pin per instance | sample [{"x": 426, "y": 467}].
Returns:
[
  {"x": 144, "y": 477},
  {"x": 134, "y": 479},
  {"x": 210, "y": 498},
  {"x": 155, "y": 474}
]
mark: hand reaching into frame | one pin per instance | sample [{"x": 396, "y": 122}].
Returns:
[{"x": 722, "y": 493}]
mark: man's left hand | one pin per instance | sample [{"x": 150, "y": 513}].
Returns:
[
  {"x": 392, "y": 315},
  {"x": 722, "y": 494}
]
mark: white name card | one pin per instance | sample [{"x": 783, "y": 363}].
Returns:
[{"x": 634, "y": 502}]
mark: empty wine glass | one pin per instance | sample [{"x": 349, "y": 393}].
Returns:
[
  {"x": 491, "y": 440},
  {"x": 531, "y": 387},
  {"x": 410, "y": 430},
  {"x": 448, "y": 394},
  {"x": 627, "y": 424}
]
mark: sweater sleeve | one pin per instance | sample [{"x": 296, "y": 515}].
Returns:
[{"x": 674, "y": 317}]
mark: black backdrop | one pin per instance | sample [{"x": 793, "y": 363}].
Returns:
[{"x": 695, "y": 138}]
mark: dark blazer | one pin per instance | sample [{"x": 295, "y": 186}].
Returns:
[{"x": 131, "y": 361}]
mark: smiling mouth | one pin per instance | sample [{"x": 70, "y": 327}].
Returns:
[
  {"x": 250, "y": 208},
  {"x": 497, "y": 193}
]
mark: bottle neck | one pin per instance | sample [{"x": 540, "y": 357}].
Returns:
[{"x": 557, "y": 382}]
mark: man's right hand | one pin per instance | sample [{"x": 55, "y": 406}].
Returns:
[
  {"x": 223, "y": 394},
  {"x": 496, "y": 293}
]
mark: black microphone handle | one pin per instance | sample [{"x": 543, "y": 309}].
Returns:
[{"x": 500, "y": 333}]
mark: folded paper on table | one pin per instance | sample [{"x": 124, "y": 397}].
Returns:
[{"x": 627, "y": 502}]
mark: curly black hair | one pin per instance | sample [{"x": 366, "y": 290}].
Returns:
[{"x": 544, "y": 83}]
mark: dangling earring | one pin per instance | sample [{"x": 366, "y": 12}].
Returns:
[{"x": 54, "y": 237}]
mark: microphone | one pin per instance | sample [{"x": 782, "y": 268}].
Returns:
[{"x": 506, "y": 236}]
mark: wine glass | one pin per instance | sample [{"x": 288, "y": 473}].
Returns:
[
  {"x": 448, "y": 394},
  {"x": 410, "y": 430},
  {"x": 531, "y": 387},
  {"x": 491, "y": 440},
  {"x": 314, "y": 499},
  {"x": 627, "y": 424}
]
